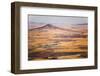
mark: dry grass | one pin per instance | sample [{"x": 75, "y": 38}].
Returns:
[{"x": 57, "y": 40}]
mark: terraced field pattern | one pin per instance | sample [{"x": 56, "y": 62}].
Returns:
[{"x": 51, "y": 42}]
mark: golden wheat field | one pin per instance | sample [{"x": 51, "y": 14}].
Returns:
[{"x": 52, "y": 42}]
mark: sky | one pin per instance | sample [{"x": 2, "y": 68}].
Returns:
[{"x": 40, "y": 20}]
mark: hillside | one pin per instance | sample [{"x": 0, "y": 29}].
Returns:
[{"x": 49, "y": 41}]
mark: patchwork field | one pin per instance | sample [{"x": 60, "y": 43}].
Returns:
[{"x": 51, "y": 42}]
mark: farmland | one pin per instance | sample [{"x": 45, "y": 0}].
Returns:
[{"x": 52, "y": 42}]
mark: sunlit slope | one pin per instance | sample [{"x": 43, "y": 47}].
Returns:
[
  {"x": 58, "y": 39},
  {"x": 49, "y": 38}
]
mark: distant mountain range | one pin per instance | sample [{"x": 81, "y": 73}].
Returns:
[
  {"x": 37, "y": 25},
  {"x": 50, "y": 26}
]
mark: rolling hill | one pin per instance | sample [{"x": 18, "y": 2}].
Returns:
[{"x": 49, "y": 41}]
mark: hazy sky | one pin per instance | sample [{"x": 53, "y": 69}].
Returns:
[{"x": 56, "y": 20}]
